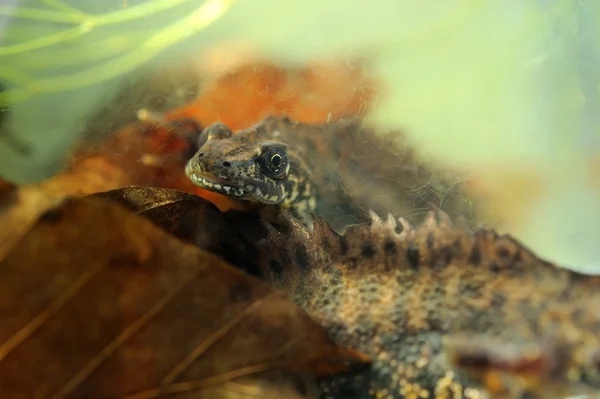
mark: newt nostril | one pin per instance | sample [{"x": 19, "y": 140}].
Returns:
[
  {"x": 200, "y": 155},
  {"x": 226, "y": 164}
]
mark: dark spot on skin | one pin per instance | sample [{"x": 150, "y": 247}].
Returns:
[
  {"x": 527, "y": 395},
  {"x": 498, "y": 300},
  {"x": 469, "y": 289},
  {"x": 430, "y": 240},
  {"x": 475, "y": 256},
  {"x": 286, "y": 120},
  {"x": 53, "y": 215},
  {"x": 301, "y": 188},
  {"x": 494, "y": 267},
  {"x": 472, "y": 360},
  {"x": 301, "y": 257},
  {"x": 389, "y": 247},
  {"x": 518, "y": 257},
  {"x": 367, "y": 250},
  {"x": 503, "y": 253},
  {"x": 226, "y": 164},
  {"x": 353, "y": 261},
  {"x": 447, "y": 254},
  {"x": 336, "y": 276},
  {"x": 240, "y": 293},
  {"x": 343, "y": 246},
  {"x": 413, "y": 256},
  {"x": 456, "y": 247},
  {"x": 398, "y": 228}
]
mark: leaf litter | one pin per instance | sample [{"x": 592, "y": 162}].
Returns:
[
  {"x": 111, "y": 306},
  {"x": 96, "y": 302}
]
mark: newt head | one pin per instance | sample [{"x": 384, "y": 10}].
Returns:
[{"x": 253, "y": 165}]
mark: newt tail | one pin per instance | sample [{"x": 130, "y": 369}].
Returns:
[{"x": 443, "y": 312}]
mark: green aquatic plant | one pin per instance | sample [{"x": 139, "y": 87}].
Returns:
[{"x": 78, "y": 24}]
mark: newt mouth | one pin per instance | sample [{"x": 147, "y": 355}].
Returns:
[{"x": 214, "y": 184}]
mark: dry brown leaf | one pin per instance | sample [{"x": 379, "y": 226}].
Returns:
[
  {"x": 121, "y": 161},
  {"x": 253, "y": 91},
  {"x": 184, "y": 215},
  {"x": 19, "y": 209},
  {"x": 196, "y": 220},
  {"x": 96, "y": 302},
  {"x": 21, "y": 206}
]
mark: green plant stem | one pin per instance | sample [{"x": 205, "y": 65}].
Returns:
[
  {"x": 182, "y": 29},
  {"x": 132, "y": 13},
  {"x": 13, "y": 75},
  {"x": 86, "y": 23},
  {"x": 46, "y": 41},
  {"x": 78, "y": 55},
  {"x": 42, "y": 15},
  {"x": 60, "y": 6}
]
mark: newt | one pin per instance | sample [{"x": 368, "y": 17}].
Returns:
[
  {"x": 443, "y": 311},
  {"x": 338, "y": 170}
]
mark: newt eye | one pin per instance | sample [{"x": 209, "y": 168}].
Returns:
[
  {"x": 276, "y": 160},
  {"x": 273, "y": 162}
]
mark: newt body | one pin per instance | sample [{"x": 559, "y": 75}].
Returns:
[
  {"x": 338, "y": 170},
  {"x": 443, "y": 312}
]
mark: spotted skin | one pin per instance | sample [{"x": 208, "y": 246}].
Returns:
[
  {"x": 443, "y": 312},
  {"x": 338, "y": 170}
]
